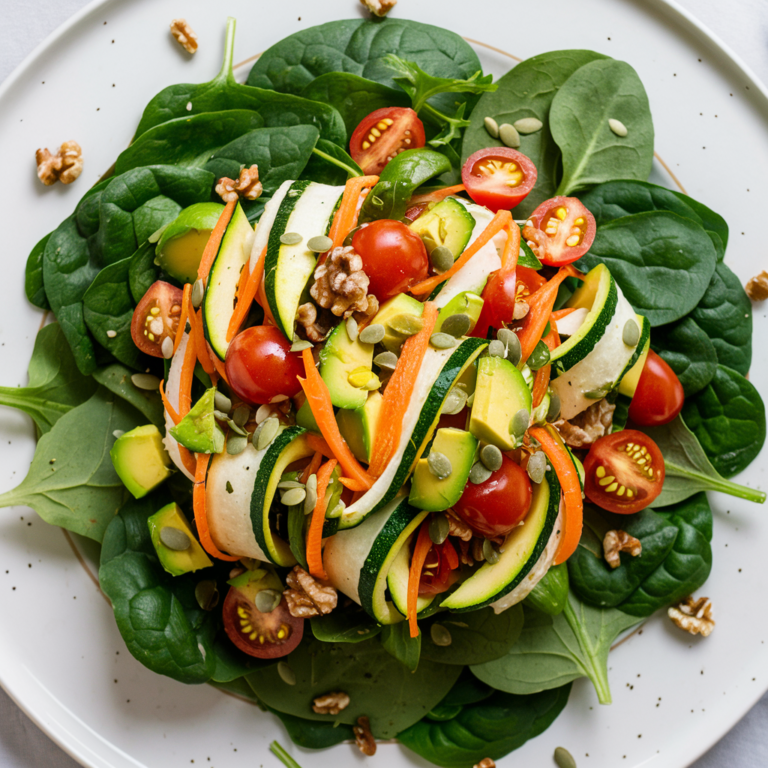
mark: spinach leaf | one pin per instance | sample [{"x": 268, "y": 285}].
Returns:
[
  {"x": 377, "y": 685},
  {"x": 554, "y": 650},
  {"x": 142, "y": 271},
  {"x": 157, "y": 614},
  {"x": 330, "y": 164},
  {"x": 33, "y": 276},
  {"x": 231, "y": 662},
  {"x": 621, "y": 414},
  {"x": 728, "y": 419},
  {"x": 551, "y": 592},
  {"x": 662, "y": 262},
  {"x": 313, "y": 734},
  {"x": 71, "y": 481},
  {"x": 349, "y": 626},
  {"x": 397, "y": 641},
  {"x": 117, "y": 378},
  {"x": 492, "y": 727},
  {"x": 592, "y": 153},
  {"x": 688, "y": 469},
  {"x": 688, "y": 351},
  {"x": 527, "y": 91},
  {"x": 224, "y": 92},
  {"x": 55, "y": 386},
  {"x": 240, "y": 690}
]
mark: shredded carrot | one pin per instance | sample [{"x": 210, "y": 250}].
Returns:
[
  {"x": 214, "y": 241},
  {"x": 187, "y": 376},
  {"x": 185, "y": 298},
  {"x": 511, "y": 250},
  {"x": 397, "y": 395},
  {"x": 353, "y": 485},
  {"x": 559, "y": 314},
  {"x": 187, "y": 459},
  {"x": 322, "y": 409},
  {"x": 420, "y": 552},
  {"x": 541, "y": 380},
  {"x": 246, "y": 294},
  {"x": 499, "y": 222},
  {"x": 437, "y": 195},
  {"x": 318, "y": 444},
  {"x": 315, "y": 535},
  {"x": 346, "y": 216},
  {"x": 261, "y": 298},
  {"x": 198, "y": 504},
  {"x": 569, "y": 481},
  {"x": 311, "y": 468},
  {"x": 175, "y": 418}
]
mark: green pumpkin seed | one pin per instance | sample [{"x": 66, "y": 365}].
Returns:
[
  {"x": 284, "y": 485},
  {"x": 492, "y": 127},
  {"x": 511, "y": 343},
  {"x": 564, "y": 759},
  {"x": 337, "y": 511},
  {"x": 222, "y": 403},
  {"x": 319, "y": 243},
  {"x": 175, "y": 539},
  {"x": 497, "y": 349},
  {"x": 266, "y": 433},
  {"x": 220, "y": 416},
  {"x": 631, "y": 333},
  {"x": 236, "y": 429},
  {"x": 491, "y": 457},
  {"x": 290, "y": 238},
  {"x": 509, "y": 135},
  {"x": 207, "y": 594},
  {"x": 352, "y": 329},
  {"x": 439, "y": 465},
  {"x": 167, "y": 347},
  {"x": 442, "y": 340},
  {"x": 457, "y": 325},
  {"x": 146, "y": 381},
  {"x": 198, "y": 293},
  {"x": 438, "y": 529},
  {"x": 406, "y": 324},
  {"x": 618, "y": 127},
  {"x": 311, "y": 500},
  {"x": 241, "y": 415},
  {"x": 442, "y": 258},
  {"x": 539, "y": 357},
  {"x": 267, "y": 600},
  {"x": 294, "y": 496},
  {"x": 386, "y": 360},
  {"x": 528, "y": 125},
  {"x": 301, "y": 345},
  {"x": 479, "y": 473},
  {"x": 455, "y": 401},
  {"x": 554, "y": 406},
  {"x": 236, "y": 444},
  {"x": 490, "y": 553},
  {"x": 537, "y": 467},
  {"x": 519, "y": 423},
  {"x": 287, "y": 675},
  {"x": 372, "y": 334},
  {"x": 440, "y": 635}
]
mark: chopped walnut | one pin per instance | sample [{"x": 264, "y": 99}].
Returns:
[
  {"x": 340, "y": 283},
  {"x": 586, "y": 427},
  {"x": 464, "y": 554},
  {"x": 307, "y": 597},
  {"x": 247, "y": 186},
  {"x": 184, "y": 34},
  {"x": 330, "y": 703},
  {"x": 65, "y": 166},
  {"x": 486, "y": 762},
  {"x": 459, "y": 528},
  {"x": 379, "y": 7},
  {"x": 620, "y": 541},
  {"x": 694, "y": 616},
  {"x": 315, "y": 325},
  {"x": 364, "y": 737},
  {"x": 757, "y": 287}
]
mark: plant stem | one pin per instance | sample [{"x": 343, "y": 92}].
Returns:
[
  {"x": 226, "y": 72},
  {"x": 595, "y": 671},
  {"x": 348, "y": 168},
  {"x": 279, "y": 752},
  {"x": 718, "y": 484}
]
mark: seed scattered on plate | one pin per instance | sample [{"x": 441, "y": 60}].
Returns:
[
  {"x": 519, "y": 423},
  {"x": 266, "y": 433},
  {"x": 511, "y": 343},
  {"x": 509, "y": 135},
  {"x": 311, "y": 500},
  {"x": 174, "y": 539},
  {"x": 221, "y": 402},
  {"x": 301, "y": 345},
  {"x": 319, "y": 243},
  {"x": 236, "y": 444},
  {"x": 554, "y": 407},
  {"x": 111, "y": 334},
  {"x": 241, "y": 415},
  {"x": 372, "y": 334},
  {"x": 290, "y": 238},
  {"x": 287, "y": 675},
  {"x": 528, "y": 125},
  {"x": 146, "y": 381},
  {"x": 406, "y": 324},
  {"x": 442, "y": 340},
  {"x": 207, "y": 594},
  {"x": 386, "y": 360},
  {"x": 497, "y": 349},
  {"x": 352, "y": 328},
  {"x": 564, "y": 759},
  {"x": 492, "y": 127},
  {"x": 440, "y": 635},
  {"x": 490, "y": 553},
  {"x": 455, "y": 401},
  {"x": 617, "y": 127}
]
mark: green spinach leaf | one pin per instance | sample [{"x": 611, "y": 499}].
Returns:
[
  {"x": 313, "y": 734},
  {"x": 349, "y": 626},
  {"x": 33, "y": 276},
  {"x": 551, "y": 592},
  {"x": 330, "y": 164},
  {"x": 142, "y": 271},
  {"x": 117, "y": 378},
  {"x": 397, "y": 641},
  {"x": 232, "y": 663}
]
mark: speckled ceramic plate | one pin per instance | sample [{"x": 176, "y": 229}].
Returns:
[{"x": 61, "y": 657}]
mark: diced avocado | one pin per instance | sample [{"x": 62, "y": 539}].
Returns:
[
  {"x": 305, "y": 418},
  {"x": 500, "y": 393},
  {"x": 358, "y": 426},
  {"x": 183, "y": 241},
  {"x": 170, "y": 532},
  {"x": 140, "y": 459},
  {"x": 448, "y": 224},
  {"x": 630, "y": 380},
  {"x": 198, "y": 430},
  {"x": 402, "y": 304},
  {"x": 427, "y": 490},
  {"x": 343, "y": 364},
  {"x": 466, "y": 303}
]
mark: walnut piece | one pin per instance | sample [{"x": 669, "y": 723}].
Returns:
[
  {"x": 247, "y": 186},
  {"x": 757, "y": 287},
  {"x": 65, "y": 166},
  {"x": 458, "y": 528},
  {"x": 307, "y": 597},
  {"x": 364, "y": 737},
  {"x": 184, "y": 34},
  {"x": 486, "y": 762},
  {"x": 588, "y": 426},
  {"x": 693, "y": 616},
  {"x": 341, "y": 285},
  {"x": 314, "y": 325},
  {"x": 379, "y": 7},
  {"x": 620, "y": 541},
  {"x": 330, "y": 703}
]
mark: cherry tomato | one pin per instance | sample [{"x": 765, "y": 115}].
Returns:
[
  {"x": 156, "y": 318},
  {"x": 394, "y": 258},
  {"x": 498, "y": 177},
  {"x": 659, "y": 395},
  {"x": 440, "y": 569},
  {"x": 560, "y": 231},
  {"x": 263, "y": 635},
  {"x": 383, "y": 135},
  {"x": 624, "y": 472},
  {"x": 260, "y": 365},
  {"x": 495, "y": 507}
]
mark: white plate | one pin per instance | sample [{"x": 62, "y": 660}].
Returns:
[{"x": 61, "y": 657}]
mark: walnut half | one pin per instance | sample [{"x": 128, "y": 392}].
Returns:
[
  {"x": 379, "y": 7},
  {"x": 693, "y": 616},
  {"x": 307, "y": 597},
  {"x": 757, "y": 287},
  {"x": 486, "y": 762},
  {"x": 184, "y": 35},
  {"x": 330, "y": 703},
  {"x": 65, "y": 166},
  {"x": 616, "y": 542},
  {"x": 364, "y": 737},
  {"x": 247, "y": 186},
  {"x": 342, "y": 286}
]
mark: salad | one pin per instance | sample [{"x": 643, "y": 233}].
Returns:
[{"x": 396, "y": 391}]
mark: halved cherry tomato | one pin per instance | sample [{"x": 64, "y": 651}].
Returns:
[
  {"x": 498, "y": 303},
  {"x": 498, "y": 177},
  {"x": 440, "y": 569},
  {"x": 394, "y": 258},
  {"x": 624, "y": 472},
  {"x": 560, "y": 231},
  {"x": 659, "y": 396},
  {"x": 384, "y": 134},
  {"x": 495, "y": 507},
  {"x": 260, "y": 365},
  {"x": 156, "y": 318}
]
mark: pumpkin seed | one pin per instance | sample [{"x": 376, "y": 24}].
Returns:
[
  {"x": 596, "y": 394},
  {"x": 319, "y": 243},
  {"x": 438, "y": 529},
  {"x": 372, "y": 334},
  {"x": 519, "y": 423},
  {"x": 539, "y": 357},
  {"x": 207, "y": 594},
  {"x": 238, "y": 430},
  {"x": 337, "y": 511},
  {"x": 198, "y": 293},
  {"x": 511, "y": 343},
  {"x": 241, "y": 415},
  {"x": 236, "y": 444},
  {"x": 631, "y": 333},
  {"x": 564, "y": 759},
  {"x": 267, "y": 600},
  {"x": 509, "y": 135},
  {"x": 406, "y": 324},
  {"x": 528, "y": 125},
  {"x": 439, "y": 465},
  {"x": 266, "y": 433},
  {"x": 285, "y": 484},
  {"x": 219, "y": 416},
  {"x": 221, "y": 402},
  {"x": 167, "y": 347},
  {"x": 491, "y": 457},
  {"x": 479, "y": 473},
  {"x": 492, "y": 127},
  {"x": 442, "y": 258},
  {"x": 146, "y": 381},
  {"x": 311, "y": 500},
  {"x": 301, "y": 345},
  {"x": 352, "y": 328},
  {"x": 618, "y": 127},
  {"x": 440, "y": 635},
  {"x": 175, "y": 539},
  {"x": 497, "y": 349},
  {"x": 287, "y": 675},
  {"x": 554, "y": 406},
  {"x": 386, "y": 360},
  {"x": 455, "y": 402},
  {"x": 490, "y": 553},
  {"x": 442, "y": 340},
  {"x": 290, "y": 238},
  {"x": 537, "y": 467},
  {"x": 457, "y": 325},
  {"x": 118, "y": 433},
  {"x": 264, "y": 412},
  {"x": 293, "y": 496}
]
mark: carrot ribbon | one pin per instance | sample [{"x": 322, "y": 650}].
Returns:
[
  {"x": 315, "y": 535},
  {"x": 214, "y": 241},
  {"x": 420, "y": 552}
]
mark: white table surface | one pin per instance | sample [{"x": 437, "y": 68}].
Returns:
[{"x": 24, "y": 24}]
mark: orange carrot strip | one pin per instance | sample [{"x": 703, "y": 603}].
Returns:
[
  {"x": 318, "y": 444},
  {"x": 397, "y": 395},
  {"x": 541, "y": 380},
  {"x": 511, "y": 250},
  {"x": 312, "y": 467},
  {"x": 437, "y": 195},
  {"x": 353, "y": 485},
  {"x": 175, "y": 418},
  {"x": 346, "y": 216},
  {"x": 185, "y": 297},
  {"x": 246, "y": 296},
  {"x": 187, "y": 376},
  {"x": 315, "y": 535},
  {"x": 198, "y": 504},
  {"x": 420, "y": 552},
  {"x": 499, "y": 221},
  {"x": 214, "y": 241},
  {"x": 322, "y": 409},
  {"x": 187, "y": 459},
  {"x": 559, "y": 314},
  {"x": 569, "y": 481}
]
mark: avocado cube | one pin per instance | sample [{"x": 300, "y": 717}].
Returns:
[
  {"x": 338, "y": 359},
  {"x": 199, "y": 431},
  {"x": 176, "y": 560},
  {"x": 448, "y": 224},
  {"x": 402, "y": 304},
  {"x": 358, "y": 426},
  {"x": 466, "y": 303},
  {"x": 140, "y": 459}
]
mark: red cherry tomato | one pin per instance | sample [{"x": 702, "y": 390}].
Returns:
[
  {"x": 263, "y": 635},
  {"x": 498, "y": 177},
  {"x": 261, "y": 366},
  {"x": 560, "y": 231},
  {"x": 659, "y": 395},
  {"x": 495, "y": 507},
  {"x": 384, "y": 134},
  {"x": 156, "y": 318},
  {"x": 624, "y": 472},
  {"x": 394, "y": 258},
  {"x": 440, "y": 569}
]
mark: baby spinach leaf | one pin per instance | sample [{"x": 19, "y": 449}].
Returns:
[
  {"x": 551, "y": 592},
  {"x": 71, "y": 481},
  {"x": 527, "y": 91},
  {"x": 117, "y": 378},
  {"x": 313, "y": 734},
  {"x": 349, "y": 626},
  {"x": 378, "y": 686},
  {"x": 232, "y": 663},
  {"x": 662, "y": 262},
  {"x": 397, "y": 641},
  {"x": 688, "y": 469},
  {"x": 33, "y": 276},
  {"x": 330, "y": 164},
  {"x": 554, "y": 650},
  {"x": 592, "y": 153},
  {"x": 240, "y": 689},
  {"x": 142, "y": 271},
  {"x": 728, "y": 419}
]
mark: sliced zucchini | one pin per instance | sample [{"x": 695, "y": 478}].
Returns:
[
  {"x": 267, "y": 219},
  {"x": 631, "y": 376},
  {"x": 397, "y": 581}
]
